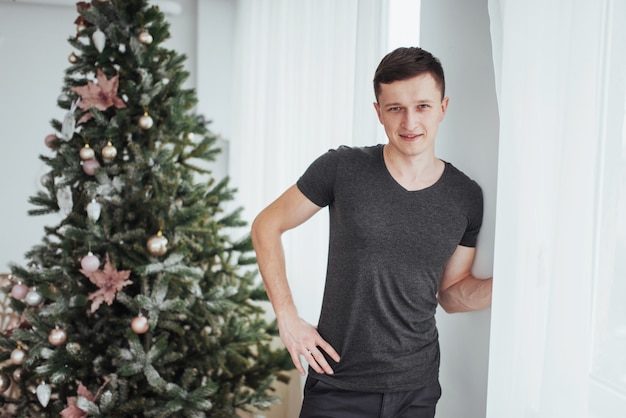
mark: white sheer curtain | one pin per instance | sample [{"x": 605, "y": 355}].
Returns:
[
  {"x": 302, "y": 86},
  {"x": 560, "y": 72}
]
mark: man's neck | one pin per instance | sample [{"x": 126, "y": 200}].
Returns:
[{"x": 415, "y": 172}]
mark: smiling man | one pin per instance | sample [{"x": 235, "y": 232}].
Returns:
[{"x": 403, "y": 231}]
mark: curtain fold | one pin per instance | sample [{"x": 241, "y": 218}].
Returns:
[
  {"x": 554, "y": 64},
  {"x": 303, "y": 70}
]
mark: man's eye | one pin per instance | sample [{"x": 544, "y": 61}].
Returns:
[
  {"x": 423, "y": 106},
  {"x": 394, "y": 109}
]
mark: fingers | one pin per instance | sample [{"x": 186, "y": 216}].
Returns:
[
  {"x": 304, "y": 342},
  {"x": 296, "y": 362},
  {"x": 328, "y": 349},
  {"x": 316, "y": 360}
]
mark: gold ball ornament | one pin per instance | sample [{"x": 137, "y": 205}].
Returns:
[
  {"x": 86, "y": 153},
  {"x": 145, "y": 121},
  {"x": 18, "y": 356},
  {"x": 109, "y": 152},
  {"x": 57, "y": 337},
  {"x": 140, "y": 324},
  {"x": 157, "y": 244},
  {"x": 145, "y": 37},
  {"x": 5, "y": 382},
  {"x": 73, "y": 58},
  {"x": 74, "y": 349}
]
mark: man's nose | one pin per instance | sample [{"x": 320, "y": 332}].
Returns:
[{"x": 411, "y": 119}]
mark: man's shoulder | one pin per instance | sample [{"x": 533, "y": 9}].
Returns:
[
  {"x": 347, "y": 152},
  {"x": 457, "y": 178}
]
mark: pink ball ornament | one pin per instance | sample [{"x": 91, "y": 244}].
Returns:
[
  {"x": 57, "y": 337},
  {"x": 90, "y": 262},
  {"x": 17, "y": 374},
  {"x": 19, "y": 291},
  {"x": 5, "y": 382},
  {"x": 90, "y": 166},
  {"x": 50, "y": 140},
  {"x": 18, "y": 356},
  {"x": 140, "y": 324}
]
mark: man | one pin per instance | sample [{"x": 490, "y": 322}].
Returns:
[{"x": 403, "y": 230}]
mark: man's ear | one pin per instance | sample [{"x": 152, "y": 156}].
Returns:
[
  {"x": 377, "y": 107},
  {"x": 444, "y": 106}
]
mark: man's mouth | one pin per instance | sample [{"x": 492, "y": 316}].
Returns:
[{"x": 410, "y": 137}]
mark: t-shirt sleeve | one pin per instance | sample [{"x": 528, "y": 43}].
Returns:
[
  {"x": 474, "y": 216},
  {"x": 317, "y": 182}
]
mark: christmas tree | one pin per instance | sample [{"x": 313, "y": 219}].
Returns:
[{"x": 142, "y": 301}]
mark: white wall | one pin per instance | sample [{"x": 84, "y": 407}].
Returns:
[
  {"x": 30, "y": 82},
  {"x": 457, "y": 32},
  {"x": 34, "y": 47}
]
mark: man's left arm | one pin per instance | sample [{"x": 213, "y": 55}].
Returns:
[{"x": 459, "y": 290}]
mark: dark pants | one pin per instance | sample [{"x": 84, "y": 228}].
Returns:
[{"x": 322, "y": 400}]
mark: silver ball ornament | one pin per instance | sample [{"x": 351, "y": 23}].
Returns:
[
  {"x": 17, "y": 374},
  {"x": 73, "y": 58},
  {"x": 145, "y": 121},
  {"x": 140, "y": 324},
  {"x": 157, "y": 244},
  {"x": 33, "y": 297},
  {"x": 73, "y": 348}
]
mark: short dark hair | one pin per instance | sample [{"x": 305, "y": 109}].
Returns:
[{"x": 404, "y": 63}]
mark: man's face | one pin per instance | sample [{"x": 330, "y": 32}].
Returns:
[{"x": 411, "y": 110}]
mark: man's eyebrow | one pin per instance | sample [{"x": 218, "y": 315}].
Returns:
[{"x": 421, "y": 101}]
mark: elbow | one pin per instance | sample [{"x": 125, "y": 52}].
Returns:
[
  {"x": 254, "y": 231},
  {"x": 449, "y": 305},
  {"x": 263, "y": 229},
  {"x": 452, "y": 301}
]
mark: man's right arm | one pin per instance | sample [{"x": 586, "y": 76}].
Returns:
[{"x": 291, "y": 209}]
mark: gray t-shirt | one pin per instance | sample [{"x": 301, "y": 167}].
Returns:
[{"x": 387, "y": 251}]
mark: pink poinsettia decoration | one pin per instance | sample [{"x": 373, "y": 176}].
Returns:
[
  {"x": 109, "y": 280},
  {"x": 101, "y": 95},
  {"x": 72, "y": 410}
]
